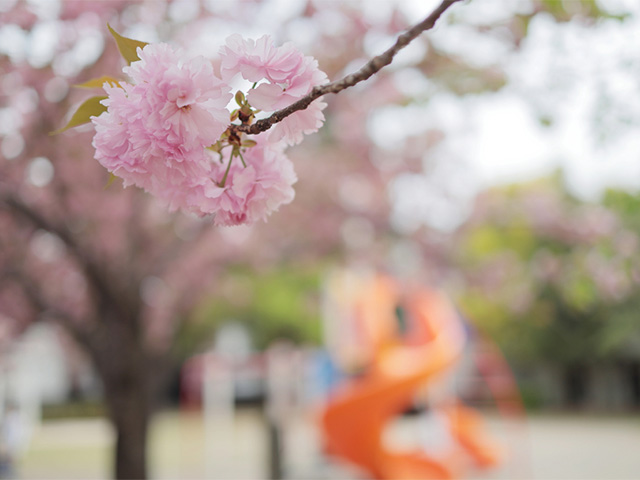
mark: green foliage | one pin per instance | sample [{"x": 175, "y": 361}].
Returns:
[
  {"x": 76, "y": 409},
  {"x": 89, "y": 108},
  {"x": 490, "y": 239},
  {"x": 571, "y": 311},
  {"x": 578, "y": 293},
  {"x": 566, "y": 10},
  {"x": 626, "y": 204},
  {"x": 531, "y": 396},
  {"x": 278, "y": 304}
]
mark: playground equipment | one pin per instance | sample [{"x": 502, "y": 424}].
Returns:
[{"x": 398, "y": 343}]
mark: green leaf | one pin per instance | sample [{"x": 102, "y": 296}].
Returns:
[
  {"x": 127, "y": 46},
  {"x": 90, "y": 108},
  {"x": 240, "y": 98},
  {"x": 99, "y": 82}
]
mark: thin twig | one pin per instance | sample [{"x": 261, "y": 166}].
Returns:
[{"x": 372, "y": 67}]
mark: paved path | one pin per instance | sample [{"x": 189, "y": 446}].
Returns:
[{"x": 547, "y": 447}]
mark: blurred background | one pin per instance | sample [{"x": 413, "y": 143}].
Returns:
[{"x": 496, "y": 160}]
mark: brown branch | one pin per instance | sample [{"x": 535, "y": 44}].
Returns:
[
  {"x": 372, "y": 67},
  {"x": 41, "y": 305},
  {"x": 106, "y": 294}
]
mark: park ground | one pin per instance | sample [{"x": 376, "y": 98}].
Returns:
[{"x": 186, "y": 445}]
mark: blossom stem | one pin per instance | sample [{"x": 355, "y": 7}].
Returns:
[
  {"x": 226, "y": 173},
  {"x": 242, "y": 159}
]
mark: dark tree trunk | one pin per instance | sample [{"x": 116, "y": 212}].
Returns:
[
  {"x": 132, "y": 379},
  {"x": 129, "y": 397},
  {"x": 633, "y": 374},
  {"x": 576, "y": 380},
  {"x": 129, "y": 382},
  {"x": 131, "y": 425},
  {"x": 275, "y": 449}
]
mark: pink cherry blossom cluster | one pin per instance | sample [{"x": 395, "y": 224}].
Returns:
[{"x": 167, "y": 130}]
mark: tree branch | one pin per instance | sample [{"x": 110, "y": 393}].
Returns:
[
  {"x": 95, "y": 274},
  {"x": 372, "y": 67},
  {"x": 41, "y": 305}
]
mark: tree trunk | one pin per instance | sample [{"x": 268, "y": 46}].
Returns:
[
  {"x": 128, "y": 382},
  {"x": 131, "y": 421},
  {"x": 275, "y": 449},
  {"x": 576, "y": 380},
  {"x": 132, "y": 376},
  {"x": 632, "y": 370}
]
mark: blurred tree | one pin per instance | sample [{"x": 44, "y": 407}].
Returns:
[
  {"x": 554, "y": 279},
  {"x": 276, "y": 304}
]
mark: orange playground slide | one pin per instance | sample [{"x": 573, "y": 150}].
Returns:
[{"x": 399, "y": 365}]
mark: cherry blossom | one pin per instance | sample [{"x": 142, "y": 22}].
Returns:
[
  {"x": 166, "y": 131},
  {"x": 250, "y": 193}
]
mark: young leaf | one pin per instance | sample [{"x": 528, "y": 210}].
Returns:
[
  {"x": 127, "y": 46},
  {"x": 240, "y": 98},
  {"x": 90, "y": 108},
  {"x": 216, "y": 147},
  {"x": 99, "y": 82}
]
